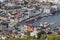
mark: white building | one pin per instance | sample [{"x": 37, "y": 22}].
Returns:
[{"x": 34, "y": 33}]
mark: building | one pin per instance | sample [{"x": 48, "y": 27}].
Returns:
[
  {"x": 30, "y": 0},
  {"x": 34, "y": 33},
  {"x": 28, "y": 28},
  {"x": 53, "y": 1}
]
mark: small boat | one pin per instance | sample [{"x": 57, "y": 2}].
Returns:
[
  {"x": 38, "y": 16},
  {"x": 46, "y": 24},
  {"x": 41, "y": 24},
  {"x": 31, "y": 20}
]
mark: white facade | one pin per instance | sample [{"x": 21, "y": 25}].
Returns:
[
  {"x": 46, "y": 10},
  {"x": 34, "y": 33}
]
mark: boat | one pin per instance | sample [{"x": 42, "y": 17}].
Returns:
[
  {"x": 41, "y": 24},
  {"x": 38, "y": 16},
  {"x": 46, "y": 24},
  {"x": 30, "y": 21}
]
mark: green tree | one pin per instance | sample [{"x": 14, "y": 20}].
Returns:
[
  {"x": 39, "y": 34},
  {"x": 28, "y": 33}
]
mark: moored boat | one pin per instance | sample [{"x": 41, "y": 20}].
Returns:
[{"x": 46, "y": 24}]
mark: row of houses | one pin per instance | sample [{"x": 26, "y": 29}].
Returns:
[{"x": 53, "y": 1}]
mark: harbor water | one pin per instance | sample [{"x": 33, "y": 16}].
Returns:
[{"x": 50, "y": 19}]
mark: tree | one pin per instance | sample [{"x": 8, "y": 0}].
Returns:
[
  {"x": 43, "y": 36},
  {"x": 39, "y": 34},
  {"x": 28, "y": 33}
]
